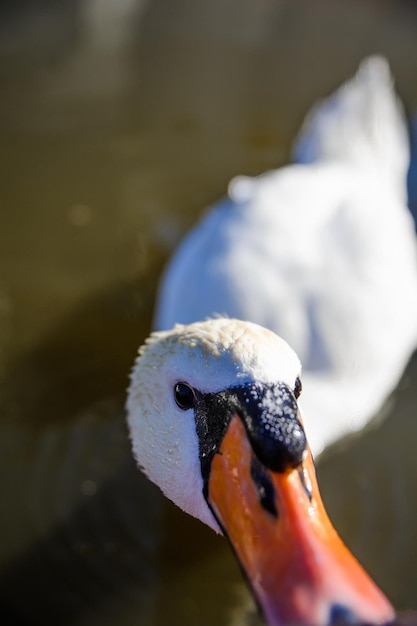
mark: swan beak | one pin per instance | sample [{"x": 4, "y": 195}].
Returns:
[{"x": 297, "y": 566}]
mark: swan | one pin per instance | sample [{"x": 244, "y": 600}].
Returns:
[
  {"x": 322, "y": 252},
  {"x": 215, "y": 422}
]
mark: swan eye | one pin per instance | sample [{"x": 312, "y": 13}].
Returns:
[
  {"x": 298, "y": 387},
  {"x": 184, "y": 396}
]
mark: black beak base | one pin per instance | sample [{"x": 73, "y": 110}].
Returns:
[{"x": 269, "y": 413}]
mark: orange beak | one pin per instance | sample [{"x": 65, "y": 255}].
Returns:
[{"x": 297, "y": 566}]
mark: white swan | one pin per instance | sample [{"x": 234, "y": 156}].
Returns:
[
  {"x": 214, "y": 422},
  {"x": 322, "y": 252}
]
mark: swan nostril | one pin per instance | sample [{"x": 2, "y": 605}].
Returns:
[
  {"x": 306, "y": 483},
  {"x": 340, "y": 615},
  {"x": 264, "y": 486}
]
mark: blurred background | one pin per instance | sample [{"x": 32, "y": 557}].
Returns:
[{"x": 120, "y": 121}]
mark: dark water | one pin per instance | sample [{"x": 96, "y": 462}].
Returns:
[{"x": 119, "y": 122}]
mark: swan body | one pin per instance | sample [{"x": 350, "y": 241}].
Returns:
[
  {"x": 214, "y": 421},
  {"x": 322, "y": 252}
]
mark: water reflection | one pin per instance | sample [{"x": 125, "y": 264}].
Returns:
[{"x": 117, "y": 129}]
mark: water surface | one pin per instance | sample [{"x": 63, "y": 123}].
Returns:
[{"x": 120, "y": 122}]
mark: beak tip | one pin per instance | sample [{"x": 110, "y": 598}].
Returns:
[{"x": 341, "y": 615}]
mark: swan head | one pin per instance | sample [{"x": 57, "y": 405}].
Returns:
[
  {"x": 207, "y": 358},
  {"x": 214, "y": 422}
]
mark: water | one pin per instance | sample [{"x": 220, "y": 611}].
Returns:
[{"x": 119, "y": 123}]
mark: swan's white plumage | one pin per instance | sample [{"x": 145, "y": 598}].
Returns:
[
  {"x": 362, "y": 123},
  {"x": 322, "y": 252},
  {"x": 210, "y": 356}
]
